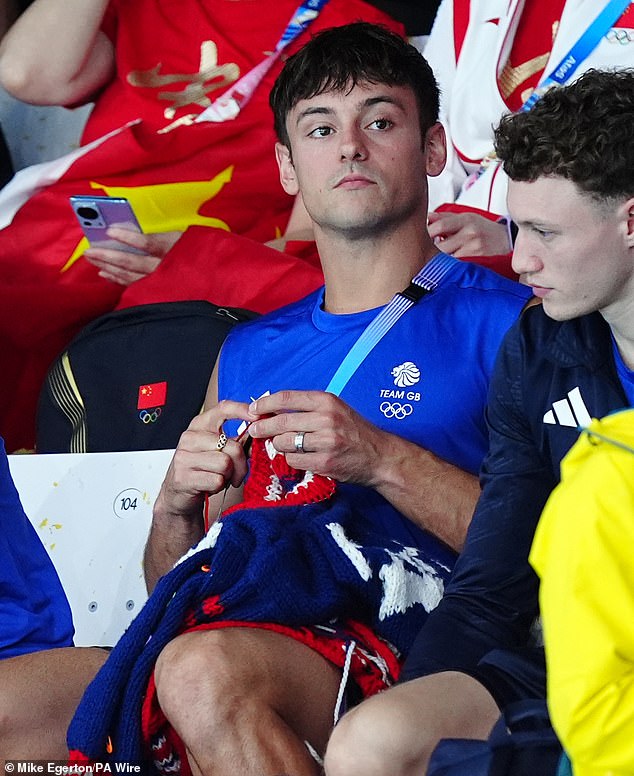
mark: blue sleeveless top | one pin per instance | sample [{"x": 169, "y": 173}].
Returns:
[{"x": 425, "y": 381}]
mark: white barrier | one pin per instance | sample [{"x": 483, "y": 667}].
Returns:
[{"x": 92, "y": 512}]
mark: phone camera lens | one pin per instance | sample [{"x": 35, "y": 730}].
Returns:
[{"x": 89, "y": 213}]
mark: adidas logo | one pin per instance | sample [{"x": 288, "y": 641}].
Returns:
[{"x": 570, "y": 411}]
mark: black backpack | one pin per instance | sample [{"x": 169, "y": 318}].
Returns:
[{"x": 133, "y": 379}]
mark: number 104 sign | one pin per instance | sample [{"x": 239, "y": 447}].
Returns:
[{"x": 92, "y": 512}]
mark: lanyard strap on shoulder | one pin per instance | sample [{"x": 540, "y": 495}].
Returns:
[{"x": 424, "y": 282}]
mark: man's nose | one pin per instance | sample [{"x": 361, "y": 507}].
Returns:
[
  {"x": 524, "y": 261},
  {"x": 353, "y": 145}
]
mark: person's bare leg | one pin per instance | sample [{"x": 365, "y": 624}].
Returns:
[
  {"x": 244, "y": 700},
  {"x": 39, "y": 693},
  {"x": 396, "y": 731}
]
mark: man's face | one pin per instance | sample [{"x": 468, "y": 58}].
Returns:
[
  {"x": 358, "y": 159},
  {"x": 577, "y": 256}
]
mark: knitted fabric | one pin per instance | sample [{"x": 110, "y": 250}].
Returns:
[
  {"x": 272, "y": 481},
  {"x": 268, "y": 560}
]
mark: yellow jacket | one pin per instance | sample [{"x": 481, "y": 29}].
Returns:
[{"x": 584, "y": 553}]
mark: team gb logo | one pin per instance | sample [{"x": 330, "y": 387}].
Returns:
[{"x": 406, "y": 374}]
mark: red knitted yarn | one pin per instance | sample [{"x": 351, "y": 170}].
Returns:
[{"x": 272, "y": 482}]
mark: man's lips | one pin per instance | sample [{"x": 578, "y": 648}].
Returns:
[
  {"x": 540, "y": 291},
  {"x": 353, "y": 181}
]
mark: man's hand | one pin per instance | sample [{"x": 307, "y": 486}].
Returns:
[
  {"x": 123, "y": 267},
  {"x": 203, "y": 463},
  {"x": 337, "y": 441},
  {"x": 468, "y": 234}
]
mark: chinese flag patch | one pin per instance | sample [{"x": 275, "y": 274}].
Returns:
[{"x": 152, "y": 395}]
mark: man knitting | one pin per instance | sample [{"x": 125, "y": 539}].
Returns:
[
  {"x": 571, "y": 192},
  {"x": 319, "y": 586}
]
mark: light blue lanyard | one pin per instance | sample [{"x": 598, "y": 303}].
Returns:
[
  {"x": 426, "y": 280},
  {"x": 584, "y": 46},
  {"x": 228, "y": 105},
  {"x": 303, "y": 16}
]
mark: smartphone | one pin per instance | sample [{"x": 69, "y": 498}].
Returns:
[{"x": 97, "y": 214}]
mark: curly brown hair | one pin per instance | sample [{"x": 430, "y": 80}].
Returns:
[{"x": 583, "y": 132}]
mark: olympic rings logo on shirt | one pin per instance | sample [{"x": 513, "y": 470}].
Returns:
[
  {"x": 623, "y": 37},
  {"x": 150, "y": 417},
  {"x": 396, "y": 410}
]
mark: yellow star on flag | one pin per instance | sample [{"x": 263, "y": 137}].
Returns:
[{"x": 165, "y": 207}]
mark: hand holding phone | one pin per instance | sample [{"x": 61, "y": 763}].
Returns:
[{"x": 97, "y": 214}]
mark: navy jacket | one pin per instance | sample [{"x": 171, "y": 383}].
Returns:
[{"x": 549, "y": 378}]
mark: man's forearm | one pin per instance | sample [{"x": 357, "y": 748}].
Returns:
[
  {"x": 433, "y": 494},
  {"x": 173, "y": 533},
  {"x": 168, "y": 540}
]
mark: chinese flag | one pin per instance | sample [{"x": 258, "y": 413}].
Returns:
[
  {"x": 229, "y": 269},
  {"x": 222, "y": 176},
  {"x": 152, "y": 395}
]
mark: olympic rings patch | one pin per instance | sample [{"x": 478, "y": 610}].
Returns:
[
  {"x": 396, "y": 410},
  {"x": 150, "y": 417}
]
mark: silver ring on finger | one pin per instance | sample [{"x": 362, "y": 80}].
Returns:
[
  {"x": 222, "y": 441},
  {"x": 299, "y": 442}
]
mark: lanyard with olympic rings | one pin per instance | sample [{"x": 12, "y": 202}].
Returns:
[{"x": 580, "y": 51}]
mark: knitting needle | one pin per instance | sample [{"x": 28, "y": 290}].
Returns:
[{"x": 246, "y": 446}]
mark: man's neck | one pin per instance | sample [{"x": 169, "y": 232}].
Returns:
[
  {"x": 364, "y": 274},
  {"x": 625, "y": 346},
  {"x": 621, "y": 321}
]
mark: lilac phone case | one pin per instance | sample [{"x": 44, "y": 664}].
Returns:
[{"x": 96, "y": 214}]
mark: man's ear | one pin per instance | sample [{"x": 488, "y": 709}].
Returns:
[
  {"x": 435, "y": 149},
  {"x": 288, "y": 178},
  {"x": 629, "y": 205}
]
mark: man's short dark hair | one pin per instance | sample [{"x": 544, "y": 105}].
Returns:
[
  {"x": 338, "y": 58},
  {"x": 583, "y": 132}
]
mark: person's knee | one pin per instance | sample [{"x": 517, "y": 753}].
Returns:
[
  {"x": 39, "y": 692},
  {"x": 352, "y": 744},
  {"x": 375, "y": 738},
  {"x": 202, "y": 670},
  {"x": 396, "y": 731}
]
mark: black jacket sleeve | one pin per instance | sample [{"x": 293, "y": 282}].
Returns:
[{"x": 491, "y": 600}]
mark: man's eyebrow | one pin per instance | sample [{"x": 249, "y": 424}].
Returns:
[
  {"x": 529, "y": 223},
  {"x": 316, "y": 110},
  {"x": 370, "y": 102}
]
